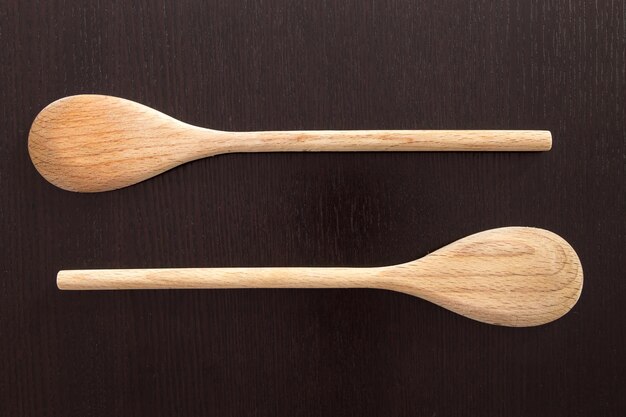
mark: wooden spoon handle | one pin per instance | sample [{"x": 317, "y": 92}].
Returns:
[
  {"x": 394, "y": 140},
  {"x": 186, "y": 278}
]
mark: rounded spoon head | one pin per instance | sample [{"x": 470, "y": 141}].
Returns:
[
  {"x": 511, "y": 276},
  {"x": 94, "y": 143}
]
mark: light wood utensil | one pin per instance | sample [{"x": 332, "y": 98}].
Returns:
[
  {"x": 512, "y": 276},
  {"x": 93, "y": 143}
]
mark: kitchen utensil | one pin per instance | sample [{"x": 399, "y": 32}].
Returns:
[
  {"x": 93, "y": 143},
  {"x": 512, "y": 276}
]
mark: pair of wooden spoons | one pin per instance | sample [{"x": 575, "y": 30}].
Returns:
[{"x": 513, "y": 276}]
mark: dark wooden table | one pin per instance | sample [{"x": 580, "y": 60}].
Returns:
[{"x": 261, "y": 65}]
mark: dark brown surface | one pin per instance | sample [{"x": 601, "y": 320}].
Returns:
[{"x": 251, "y": 65}]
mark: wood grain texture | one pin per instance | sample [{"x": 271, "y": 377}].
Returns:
[
  {"x": 312, "y": 65},
  {"x": 92, "y": 143},
  {"x": 511, "y": 276}
]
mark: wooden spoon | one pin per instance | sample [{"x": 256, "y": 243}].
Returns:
[
  {"x": 512, "y": 276},
  {"x": 95, "y": 143}
]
